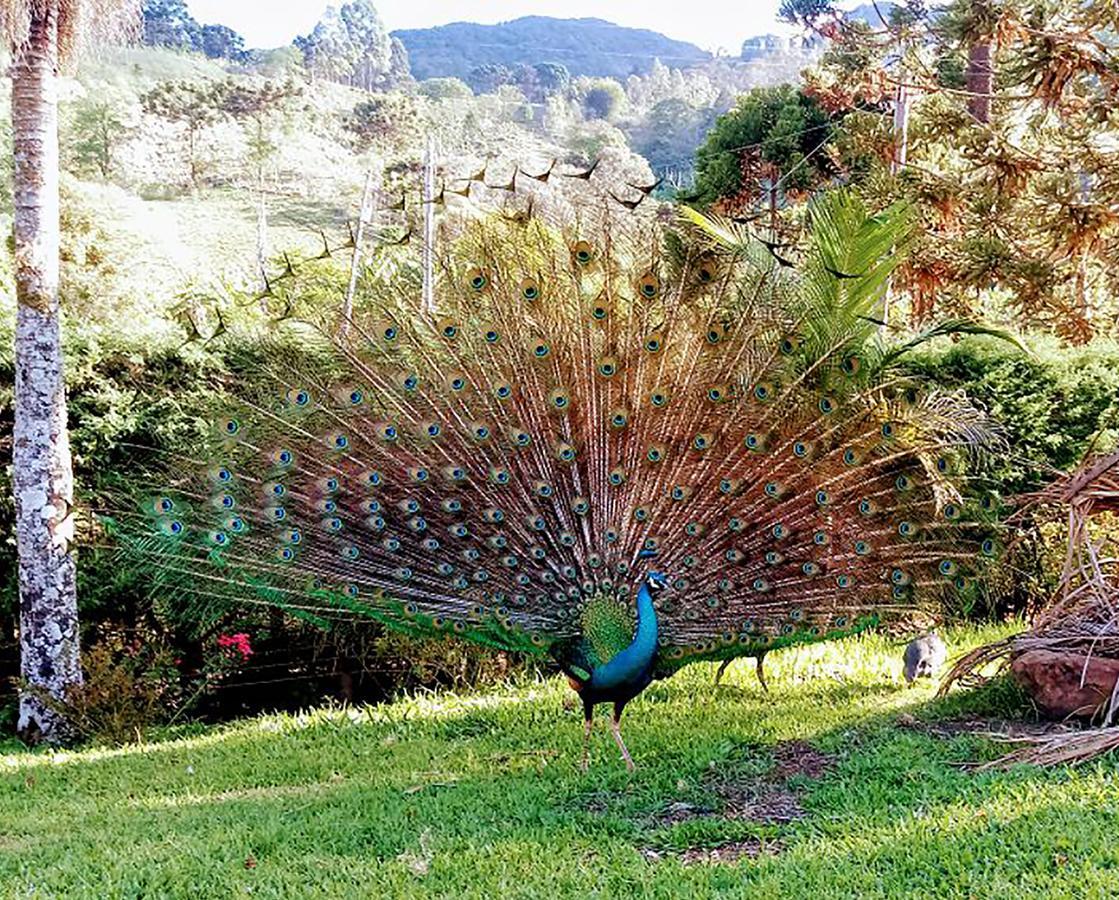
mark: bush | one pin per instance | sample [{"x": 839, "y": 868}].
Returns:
[
  {"x": 125, "y": 691},
  {"x": 1050, "y": 406}
]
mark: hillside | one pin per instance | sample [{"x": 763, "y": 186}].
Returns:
[{"x": 585, "y": 46}]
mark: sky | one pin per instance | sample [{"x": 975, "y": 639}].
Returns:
[{"x": 711, "y": 24}]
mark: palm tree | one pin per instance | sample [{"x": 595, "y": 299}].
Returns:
[{"x": 41, "y": 34}]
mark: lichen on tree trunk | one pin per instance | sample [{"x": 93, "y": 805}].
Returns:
[{"x": 42, "y": 477}]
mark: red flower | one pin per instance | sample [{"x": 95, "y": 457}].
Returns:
[{"x": 236, "y": 643}]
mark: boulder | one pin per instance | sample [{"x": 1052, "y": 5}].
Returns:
[{"x": 1059, "y": 683}]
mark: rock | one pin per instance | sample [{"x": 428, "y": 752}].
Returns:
[{"x": 1053, "y": 679}]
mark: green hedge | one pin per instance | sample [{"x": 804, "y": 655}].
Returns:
[{"x": 1049, "y": 405}]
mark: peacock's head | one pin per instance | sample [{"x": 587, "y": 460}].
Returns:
[{"x": 655, "y": 581}]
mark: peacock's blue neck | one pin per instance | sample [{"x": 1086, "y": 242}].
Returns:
[
  {"x": 634, "y": 662},
  {"x": 645, "y": 637}
]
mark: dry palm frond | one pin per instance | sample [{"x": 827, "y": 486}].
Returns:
[
  {"x": 1082, "y": 618},
  {"x": 1056, "y": 749},
  {"x": 83, "y": 25}
]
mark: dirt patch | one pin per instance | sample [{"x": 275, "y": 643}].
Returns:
[
  {"x": 794, "y": 759},
  {"x": 721, "y": 854},
  {"x": 981, "y": 727},
  {"x": 765, "y": 799},
  {"x": 765, "y": 804}
]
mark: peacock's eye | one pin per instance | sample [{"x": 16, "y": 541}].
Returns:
[
  {"x": 583, "y": 252},
  {"x": 648, "y": 286},
  {"x": 478, "y": 279},
  {"x": 530, "y": 289}
]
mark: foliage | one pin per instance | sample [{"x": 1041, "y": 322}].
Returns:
[
  {"x": 382, "y": 116},
  {"x": 487, "y": 78},
  {"x": 478, "y": 795},
  {"x": 351, "y": 45},
  {"x": 258, "y": 104},
  {"x": 670, "y": 132},
  {"x": 123, "y": 693},
  {"x": 1051, "y": 405},
  {"x": 551, "y": 78},
  {"x": 133, "y": 683},
  {"x": 773, "y": 135},
  {"x": 1010, "y": 151},
  {"x": 445, "y": 89},
  {"x": 195, "y": 106},
  {"x": 99, "y": 128},
  {"x": 601, "y": 98},
  {"x": 222, "y": 42},
  {"x": 168, "y": 23}
]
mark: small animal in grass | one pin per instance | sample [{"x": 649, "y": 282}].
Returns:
[{"x": 924, "y": 657}]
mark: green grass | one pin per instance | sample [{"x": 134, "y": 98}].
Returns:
[{"x": 479, "y": 795}]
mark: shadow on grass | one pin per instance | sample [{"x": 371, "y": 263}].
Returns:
[{"x": 485, "y": 796}]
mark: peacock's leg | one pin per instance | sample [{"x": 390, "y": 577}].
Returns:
[
  {"x": 722, "y": 669},
  {"x": 616, "y": 730},
  {"x": 588, "y": 723},
  {"x": 761, "y": 673}
]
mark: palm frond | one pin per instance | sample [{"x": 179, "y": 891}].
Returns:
[{"x": 892, "y": 355}]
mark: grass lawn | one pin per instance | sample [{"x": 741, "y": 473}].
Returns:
[{"x": 839, "y": 783}]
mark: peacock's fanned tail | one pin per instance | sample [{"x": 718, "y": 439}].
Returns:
[{"x": 592, "y": 382}]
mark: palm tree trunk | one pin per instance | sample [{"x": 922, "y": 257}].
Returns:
[{"x": 42, "y": 478}]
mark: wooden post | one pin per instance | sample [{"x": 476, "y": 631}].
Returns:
[
  {"x": 901, "y": 127},
  {"x": 364, "y": 217},
  {"x": 428, "y": 305},
  {"x": 262, "y": 240},
  {"x": 901, "y": 156}
]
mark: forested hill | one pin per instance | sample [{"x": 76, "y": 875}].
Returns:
[{"x": 584, "y": 46}]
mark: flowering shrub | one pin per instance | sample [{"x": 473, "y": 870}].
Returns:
[
  {"x": 132, "y": 683},
  {"x": 236, "y": 646}
]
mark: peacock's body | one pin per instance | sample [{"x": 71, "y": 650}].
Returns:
[{"x": 592, "y": 387}]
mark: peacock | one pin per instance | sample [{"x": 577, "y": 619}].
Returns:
[{"x": 617, "y": 435}]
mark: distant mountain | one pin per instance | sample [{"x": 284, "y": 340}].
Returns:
[
  {"x": 584, "y": 46},
  {"x": 874, "y": 16}
]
